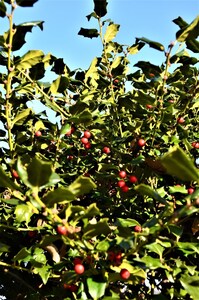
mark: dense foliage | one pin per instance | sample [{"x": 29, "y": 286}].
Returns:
[{"x": 103, "y": 202}]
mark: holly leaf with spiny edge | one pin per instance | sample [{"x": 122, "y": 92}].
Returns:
[
  {"x": 89, "y": 33},
  {"x": 100, "y": 7},
  {"x": 26, "y": 3}
]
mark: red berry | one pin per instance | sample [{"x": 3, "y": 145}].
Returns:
[
  {"x": 87, "y": 146},
  {"x": 118, "y": 255},
  {"x": 133, "y": 179},
  {"x": 62, "y": 230},
  {"x": 195, "y": 145},
  {"x": 77, "y": 261},
  {"x": 111, "y": 255},
  {"x": 70, "y": 157},
  {"x": 137, "y": 228},
  {"x": 70, "y": 287},
  {"x": 149, "y": 106},
  {"x": 152, "y": 75},
  {"x": 190, "y": 190},
  {"x": 38, "y": 133},
  {"x": 106, "y": 150},
  {"x": 79, "y": 269},
  {"x": 141, "y": 143},
  {"x": 122, "y": 174},
  {"x": 125, "y": 189},
  {"x": 84, "y": 140},
  {"x": 73, "y": 288},
  {"x": 87, "y": 134},
  {"x": 121, "y": 183},
  {"x": 116, "y": 81},
  {"x": 125, "y": 274},
  {"x": 70, "y": 131},
  {"x": 15, "y": 174},
  {"x": 31, "y": 234},
  {"x": 180, "y": 120}
]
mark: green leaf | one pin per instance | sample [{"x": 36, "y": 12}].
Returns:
[
  {"x": 191, "y": 285},
  {"x": 100, "y": 7},
  {"x": 44, "y": 272},
  {"x": 103, "y": 246},
  {"x": 2, "y": 10},
  {"x": 188, "y": 32},
  {"x": 155, "y": 247},
  {"x": 23, "y": 213},
  {"x": 59, "y": 85},
  {"x": 22, "y": 116},
  {"x": 26, "y": 3},
  {"x": 65, "y": 128},
  {"x": 151, "y": 44},
  {"x": 81, "y": 186},
  {"x": 4, "y": 248},
  {"x": 188, "y": 248},
  {"x": 23, "y": 255},
  {"x": 37, "y": 174},
  {"x": 38, "y": 256},
  {"x": 150, "y": 262},
  {"x": 92, "y": 230},
  {"x": 89, "y": 33},
  {"x": 178, "y": 164},
  {"x": 177, "y": 189},
  {"x": 6, "y": 182},
  {"x": 111, "y": 32},
  {"x": 96, "y": 288},
  {"x": 21, "y": 30},
  {"x": 135, "y": 48},
  {"x": 29, "y": 59},
  {"x": 126, "y": 222},
  {"x": 60, "y": 195},
  {"x": 144, "y": 189}
]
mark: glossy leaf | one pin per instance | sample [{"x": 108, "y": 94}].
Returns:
[
  {"x": 2, "y": 10},
  {"x": 191, "y": 285},
  {"x": 59, "y": 85},
  {"x": 100, "y": 7},
  {"x": 29, "y": 59},
  {"x": 144, "y": 189},
  {"x": 92, "y": 230},
  {"x": 190, "y": 31},
  {"x": 60, "y": 195},
  {"x": 21, "y": 30},
  {"x": 178, "y": 164},
  {"x": 23, "y": 213},
  {"x": 111, "y": 32},
  {"x": 151, "y": 44},
  {"x": 81, "y": 186},
  {"x": 89, "y": 33},
  {"x": 22, "y": 116},
  {"x": 26, "y": 3},
  {"x": 96, "y": 288}
]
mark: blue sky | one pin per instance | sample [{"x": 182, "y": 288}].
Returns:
[{"x": 137, "y": 18}]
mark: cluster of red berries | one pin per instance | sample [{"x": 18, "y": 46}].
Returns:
[
  {"x": 122, "y": 184},
  {"x": 115, "y": 258},
  {"x": 195, "y": 145},
  {"x": 85, "y": 139}
]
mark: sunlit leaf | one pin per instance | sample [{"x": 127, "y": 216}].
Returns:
[
  {"x": 96, "y": 288},
  {"x": 82, "y": 185},
  {"x": 178, "y": 164},
  {"x": 23, "y": 213},
  {"x": 111, "y": 32}
]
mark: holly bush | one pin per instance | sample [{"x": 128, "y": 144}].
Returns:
[{"x": 102, "y": 202}]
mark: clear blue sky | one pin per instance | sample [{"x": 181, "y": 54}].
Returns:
[{"x": 138, "y": 18}]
